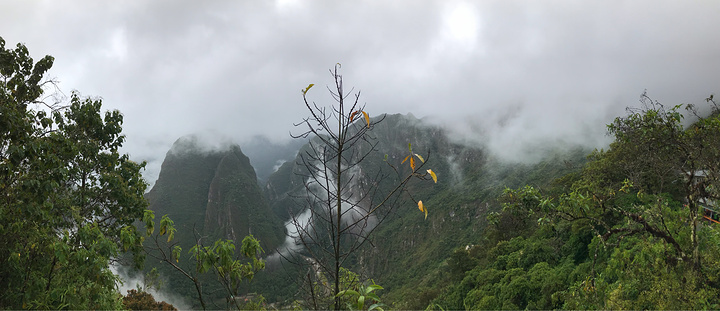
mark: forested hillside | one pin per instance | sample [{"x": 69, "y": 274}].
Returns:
[
  {"x": 634, "y": 229},
  {"x": 407, "y": 253},
  {"x": 625, "y": 227}
]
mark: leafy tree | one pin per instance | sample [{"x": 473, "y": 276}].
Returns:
[
  {"x": 674, "y": 156},
  {"x": 644, "y": 198},
  {"x": 362, "y": 296},
  {"x": 654, "y": 165},
  {"x": 460, "y": 262},
  {"x": 345, "y": 201},
  {"x": 142, "y": 300},
  {"x": 68, "y": 198},
  {"x": 625, "y": 232},
  {"x": 219, "y": 259}
]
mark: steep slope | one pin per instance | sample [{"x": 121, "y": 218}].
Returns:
[
  {"x": 406, "y": 249},
  {"x": 211, "y": 195},
  {"x": 236, "y": 206}
]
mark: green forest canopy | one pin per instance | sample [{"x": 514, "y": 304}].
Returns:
[{"x": 626, "y": 232}]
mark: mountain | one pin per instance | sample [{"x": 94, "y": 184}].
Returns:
[
  {"x": 406, "y": 249},
  {"x": 216, "y": 194},
  {"x": 473, "y": 250},
  {"x": 210, "y": 194}
]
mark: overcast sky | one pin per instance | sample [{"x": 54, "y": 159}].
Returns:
[{"x": 508, "y": 74}]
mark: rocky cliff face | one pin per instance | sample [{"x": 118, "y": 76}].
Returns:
[
  {"x": 213, "y": 194},
  {"x": 236, "y": 206}
]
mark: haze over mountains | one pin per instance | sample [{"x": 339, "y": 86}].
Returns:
[{"x": 216, "y": 193}]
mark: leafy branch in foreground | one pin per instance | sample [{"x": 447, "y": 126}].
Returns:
[
  {"x": 220, "y": 258},
  {"x": 362, "y": 295}
]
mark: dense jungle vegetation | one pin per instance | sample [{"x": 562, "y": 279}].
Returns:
[{"x": 634, "y": 229}]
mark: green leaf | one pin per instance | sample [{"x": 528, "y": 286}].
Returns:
[
  {"x": 176, "y": 253},
  {"x": 347, "y": 291},
  {"x": 250, "y": 247},
  {"x": 205, "y": 266},
  {"x": 167, "y": 226},
  {"x": 361, "y": 302},
  {"x": 148, "y": 219}
]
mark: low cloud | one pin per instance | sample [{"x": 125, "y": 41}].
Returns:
[
  {"x": 511, "y": 75},
  {"x": 135, "y": 282}
]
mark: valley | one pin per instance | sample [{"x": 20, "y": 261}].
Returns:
[{"x": 406, "y": 253}]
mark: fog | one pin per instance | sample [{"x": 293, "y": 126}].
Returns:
[
  {"x": 515, "y": 76},
  {"x": 301, "y": 228},
  {"x": 134, "y": 282}
]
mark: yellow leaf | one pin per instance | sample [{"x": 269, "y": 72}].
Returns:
[
  {"x": 422, "y": 208},
  {"x": 406, "y": 158},
  {"x": 419, "y": 157},
  {"x": 412, "y": 163},
  {"x": 367, "y": 118},
  {"x": 434, "y": 177},
  {"x": 307, "y": 88}
]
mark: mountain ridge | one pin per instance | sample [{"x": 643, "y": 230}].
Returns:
[{"x": 404, "y": 250}]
